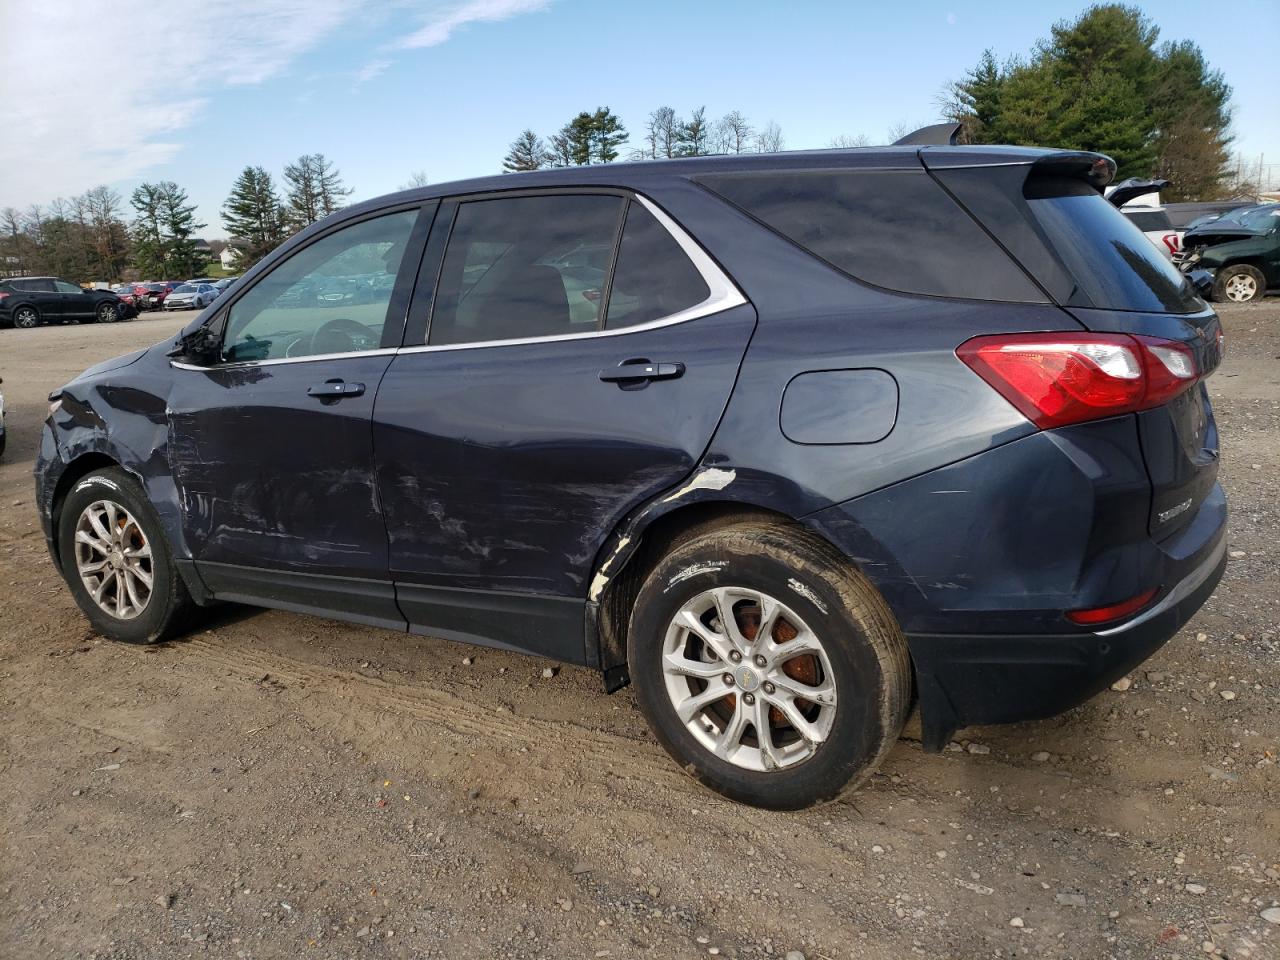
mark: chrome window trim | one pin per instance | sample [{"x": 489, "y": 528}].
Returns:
[
  {"x": 723, "y": 295},
  {"x": 240, "y": 364}
]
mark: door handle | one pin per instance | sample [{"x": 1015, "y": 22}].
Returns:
[
  {"x": 332, "y": 389},
  {"x": 632, "y": 370}
]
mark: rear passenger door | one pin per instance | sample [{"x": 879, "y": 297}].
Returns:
[
  {"x": 43, "y": 296},
  {"x": 572, "y": 356}
]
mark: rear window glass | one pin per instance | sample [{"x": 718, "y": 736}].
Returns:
[
  {"x": 1113, "y": 264},
  {"x": 892, "y": 228},
  {"x": 1148, "y": 220},
  {"x": 653, "y": 278}
]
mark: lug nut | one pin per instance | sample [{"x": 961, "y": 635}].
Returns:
[
  {"x": 735, "y": 656},
  {"x": 748, "y": 699},
  {"x": 760, "y": 661},
  {"x": 728, "y": 679},
  {"x": 769, "y": 688}
]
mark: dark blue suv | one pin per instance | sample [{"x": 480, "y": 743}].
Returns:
[{"x": 789, "y": 441}]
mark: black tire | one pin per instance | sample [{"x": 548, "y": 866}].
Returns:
[
  {"x": 26, "y": 317},
  {"x": 108, "y": 313},
  {"x": 1239, "y": 283},
  {"x": 870, "y": 665},
  {"x": 169, "y": 608}
]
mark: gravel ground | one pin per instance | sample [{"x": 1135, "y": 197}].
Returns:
[{"x": 278, "y": 785}]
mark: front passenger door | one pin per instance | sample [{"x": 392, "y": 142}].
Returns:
[
  {"x": 76, "y": 303},
  {"x": 271, "y": 445}
]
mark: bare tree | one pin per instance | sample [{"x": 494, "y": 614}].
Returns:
[
  {"x": 769, "y": 139},
  {"x": 733, "y": 133},
  {"x": 847, "y": 142},
  {"x": 662, "y": 134},
  {"x": 416, "y": 179}
]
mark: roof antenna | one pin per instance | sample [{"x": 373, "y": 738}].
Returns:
[{"x": 939, "y": 134}]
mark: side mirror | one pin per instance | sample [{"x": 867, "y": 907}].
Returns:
[{"x": 202, "y": 346}]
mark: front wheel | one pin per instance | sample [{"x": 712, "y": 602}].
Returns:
[
  {"x": 768, "y": 668},
  {"x": 116, "y": 561},
  {"x": 107, "y": 313},
  {"x": 1239, "y": 283}
]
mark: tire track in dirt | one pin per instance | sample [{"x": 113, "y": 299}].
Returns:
[{"x": 442, "y": 710}]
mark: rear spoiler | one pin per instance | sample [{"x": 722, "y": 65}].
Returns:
[
  {"x": 1096, "y": 169},
  {"x": 937, "y": 135}
]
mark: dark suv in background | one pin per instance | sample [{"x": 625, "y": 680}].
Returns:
[
  {"x": 787, "y": 441},
  {"x": 30, "y": 301}
]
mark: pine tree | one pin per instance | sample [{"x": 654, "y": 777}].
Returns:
[
  {"x": 313, "y": 189},
  {"x": 1100, "y": 83},
  {"x": 254, "y": 215},
  {"x": 695, "y": 135},
  {"x": 527, "y": 152},
  {"x": 164, "y": 232},
  {"x": 178, "y": 227},
  {"x": 607, "y": 135}
]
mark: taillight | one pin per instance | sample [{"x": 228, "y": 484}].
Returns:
[
  {"x": 3, "y": 294},
  {"x": 1056, "y": 379}
]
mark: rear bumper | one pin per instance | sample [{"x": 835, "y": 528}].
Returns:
[{"x": 1006, "y": 679}]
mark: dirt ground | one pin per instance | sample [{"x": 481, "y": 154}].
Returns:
[{"x": 279, "y": 785}]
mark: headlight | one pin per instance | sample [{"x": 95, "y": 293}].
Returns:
[{"x": 54, "y": 406}]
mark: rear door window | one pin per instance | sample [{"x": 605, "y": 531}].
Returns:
[
  {"x": 522, "y": 267},
  {"x": 653, "y": 277},
  {"x": 895, "y": 229},
  {"x": 1113, "y": 264}
]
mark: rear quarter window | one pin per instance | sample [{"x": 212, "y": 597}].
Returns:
[{"x": 896, "y": 229}]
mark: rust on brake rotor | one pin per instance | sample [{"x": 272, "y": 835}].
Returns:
[{"x": 804, "y": 669}]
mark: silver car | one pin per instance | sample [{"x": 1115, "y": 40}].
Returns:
[{"x": 191, "y": 296}]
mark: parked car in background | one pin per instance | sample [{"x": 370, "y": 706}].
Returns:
[
  {"x": 1236, "y": 257},
  {"x": 129, "y": 293},
  {"x": 30, "y": 301},
  {"x": 841, "y": 430},
  {"x": 154, "y": 294},
  {"x": 191, "y": 296},
  {"x": 223, "y": 285}
]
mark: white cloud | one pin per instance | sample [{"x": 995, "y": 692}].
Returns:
[
  {"x": 94, "y": 95},
  {"x": 441, "y": 22},
  {"x": 374, "y": 68}
]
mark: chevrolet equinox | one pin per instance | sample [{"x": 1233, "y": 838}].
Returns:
[{"x": 790, "y": 442}]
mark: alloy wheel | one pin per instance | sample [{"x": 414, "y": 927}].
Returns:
[
  {"x": 1241, "y": 288},
  {"x": 25, "y": 318},
  {"x": 113, "y": 559},
  {"x": 749, "y": 679},
  {"x": 107, "y": 314}
]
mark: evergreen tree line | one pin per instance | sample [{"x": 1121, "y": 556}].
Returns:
[
  {"x": 96, "y": 237},
  {"x": 599, "y": 136},
  {"x": 1103, "y": 82}
]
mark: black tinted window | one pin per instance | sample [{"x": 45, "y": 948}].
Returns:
[
  {"x": 892, "y": 228},
  {"x": 653, "y": 277},
  {"x": 1112, "y": 263},
  {"x": 525, "y": 267},
  {"x": 1148, "y": 219},
  {"x": 34, "y": 286}
]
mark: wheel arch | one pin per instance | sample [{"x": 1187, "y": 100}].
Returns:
[
  {"x": 634, "y": 550},
  {"x": 75, "y": 471}
]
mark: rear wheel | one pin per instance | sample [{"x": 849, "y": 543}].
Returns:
[
  {"x": 116, "y": 560},
  {"x": 767, "y": 667},
  {"x": 25, "y": 318},
  {"x": 1239, "y": 283}
]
